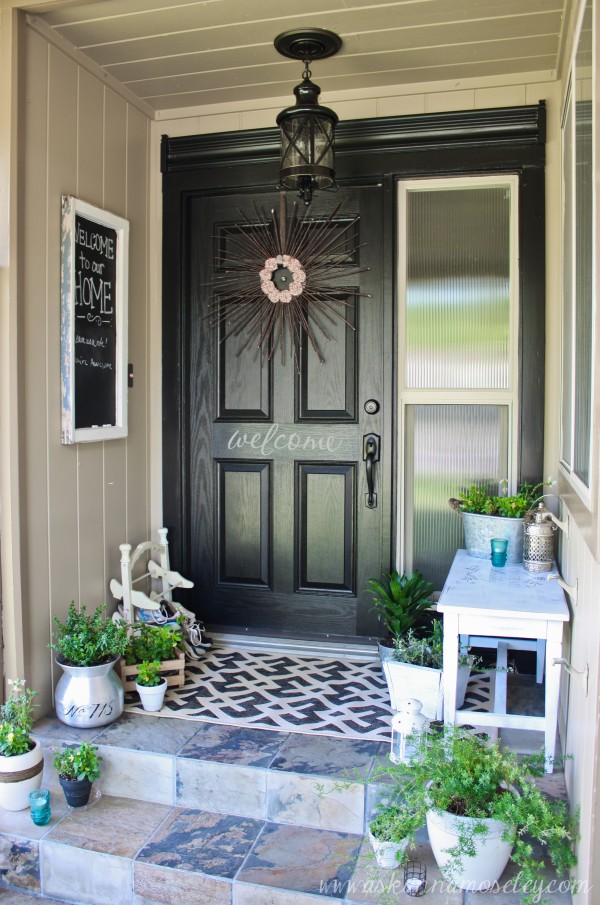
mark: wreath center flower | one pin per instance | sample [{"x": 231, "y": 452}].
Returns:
[{"x": 282, "y": 278}]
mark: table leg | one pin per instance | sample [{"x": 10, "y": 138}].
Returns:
[
  {"x": 540, "y": 660},
  {"x": 451, "y": 641},
  {"x": 553, "y": 673}
]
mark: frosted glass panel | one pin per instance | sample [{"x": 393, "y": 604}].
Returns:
[
  {"x": 458, "y": 287},
  {"x": 448, "y": 448}
]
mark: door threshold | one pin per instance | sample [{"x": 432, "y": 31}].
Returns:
[{"x": 364, "y": 653}]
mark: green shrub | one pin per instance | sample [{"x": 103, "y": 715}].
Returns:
[
  {"x": 88, "y": 640},
  {"x": 152, "y": 642}
]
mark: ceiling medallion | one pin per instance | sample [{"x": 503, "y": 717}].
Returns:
[{"x": 277, "y": 285}]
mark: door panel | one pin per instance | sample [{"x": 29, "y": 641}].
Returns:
[{"x": 280, "y": 539}]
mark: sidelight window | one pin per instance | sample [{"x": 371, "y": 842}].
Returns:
[{"x": 458, "y": 354}]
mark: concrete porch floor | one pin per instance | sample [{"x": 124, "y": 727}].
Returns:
[{"x": 202, "y": 813}]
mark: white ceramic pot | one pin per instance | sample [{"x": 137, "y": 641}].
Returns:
[
  {"x": 387, "y": 854},
  {"x": 152, "y": 696},
  {"x": 478, "y": 873},
  {"x": 405, "y": 680},
  {"x": 20, "y": 775},
  {"x": 480, "y": 529}
]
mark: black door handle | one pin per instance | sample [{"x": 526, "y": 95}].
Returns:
[{"x": 371, "y": 443}]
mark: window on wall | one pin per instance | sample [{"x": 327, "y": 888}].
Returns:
[
  {"x": 458, "y": 347},
  {"x": 578, "y": 308}
]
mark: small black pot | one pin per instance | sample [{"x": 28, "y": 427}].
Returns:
[{"x": 77, "y": 791}]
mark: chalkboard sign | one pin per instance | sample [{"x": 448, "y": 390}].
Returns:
[{"x": 93, "y": 323}]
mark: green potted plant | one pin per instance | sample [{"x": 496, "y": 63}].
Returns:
[
  {"x": 151, "y": 643},
  {"x": 390, "y": 831},
  {"x": 150, "y": 685},
  {"x": 77, "y": 767},
  {"x": 401, "y": 602},
  {"x": 486, "y": 515},
  {"x": 21, "y": 757},
  {"x": 483, "y": 807},
  {"x": 89, "y": 693},
  {"x": 415, "y": 670}
]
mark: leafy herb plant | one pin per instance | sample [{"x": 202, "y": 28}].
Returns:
[
  {"x": 152, "y": 642},
  {"x": 88, "y": 639},
  {"x": 16, "y": 720},
  {"x": 401, "y": 601},
  {"x": 428, "y": 650},
  {"x": 394, "y": 824},
  {"x": 478, "y": 500},
  {"x": 148, "y": 673},
  {"x": 78, "y": 762}
]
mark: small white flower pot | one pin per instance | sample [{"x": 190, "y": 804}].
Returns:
[
  {"x": 20, "y": 775},
  {"x": 387, "y": 854},
  {"x": 152, "y": 696}
]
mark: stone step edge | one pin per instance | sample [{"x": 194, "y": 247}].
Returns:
[
  {"x": 138, "y": 874},
  {"x": 298, "y": 799}
]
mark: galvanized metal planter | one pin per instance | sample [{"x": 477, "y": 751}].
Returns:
[
  {"x": 480, "y": 529},
  {"x": 89, "y": 696}
]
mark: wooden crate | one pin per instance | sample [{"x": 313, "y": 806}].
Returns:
[{"x": 172, "y": 670}]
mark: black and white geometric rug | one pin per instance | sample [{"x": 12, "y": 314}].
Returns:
[{"x": 290, "y": 693}]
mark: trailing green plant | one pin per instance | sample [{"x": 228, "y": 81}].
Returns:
[
  {"x": 401, "y": 601},
  {"x": 16, "y": 720},
  {"x": 464, "y": 774},
  {"x": 148, "y": 673},
  {"x": 88, "y": 639},
  {"x": 78, "y": 762},
  {"x": 394, "y": 824},
  {"x": 480, "y": 501},
  {"x": 152, "y": 642}
]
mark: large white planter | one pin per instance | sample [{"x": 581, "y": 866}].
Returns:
[
  {"x": 152, "y": 696},
  {"x": 387, "y": 854},
  {"x": 478, "y": 873},
  {"x": 424, "y": 683},
  {"x": 20, "y": 775},
  {"x": 480, "y": 529}
]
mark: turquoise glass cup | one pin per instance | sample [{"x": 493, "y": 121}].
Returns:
[
  {"x": 499, "y": 551},
  {"x": 39, "y": 802}
]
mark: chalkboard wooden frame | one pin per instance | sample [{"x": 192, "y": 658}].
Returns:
[{"x": 94, "y": 284}]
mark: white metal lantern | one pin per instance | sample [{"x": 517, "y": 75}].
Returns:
[{"x": 408, "y": 726}]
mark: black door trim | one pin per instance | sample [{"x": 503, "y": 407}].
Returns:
[{"x": 500, "y": 127}]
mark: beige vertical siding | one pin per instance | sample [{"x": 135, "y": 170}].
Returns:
[{"x": 80, "y": 501}]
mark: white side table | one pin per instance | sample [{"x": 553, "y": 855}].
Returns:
[{"x": 507, "y": 603}]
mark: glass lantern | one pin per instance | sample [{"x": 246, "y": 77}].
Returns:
[
  {"x": 408, "y": 727},
  {"x": 307, "y": 142}
]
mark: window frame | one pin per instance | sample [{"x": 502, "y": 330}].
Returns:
[{"x": 581, "y": 499}]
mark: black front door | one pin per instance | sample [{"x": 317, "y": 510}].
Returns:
[{"x": 280, "y": 532}]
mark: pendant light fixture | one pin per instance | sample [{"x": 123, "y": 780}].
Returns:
[{"x": 307, "y": 129}]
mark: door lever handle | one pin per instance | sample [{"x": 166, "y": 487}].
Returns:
[{"x": 371, "y": 445}]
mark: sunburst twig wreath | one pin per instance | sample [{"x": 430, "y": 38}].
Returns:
[{"x": 279, "y": 277}]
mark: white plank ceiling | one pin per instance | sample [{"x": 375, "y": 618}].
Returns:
[{"x": 178, "y": 54}]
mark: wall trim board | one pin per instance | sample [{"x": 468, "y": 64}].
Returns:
[
  {"x": 40, "y": 27},
  {"x": 496, "y": 127}
]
